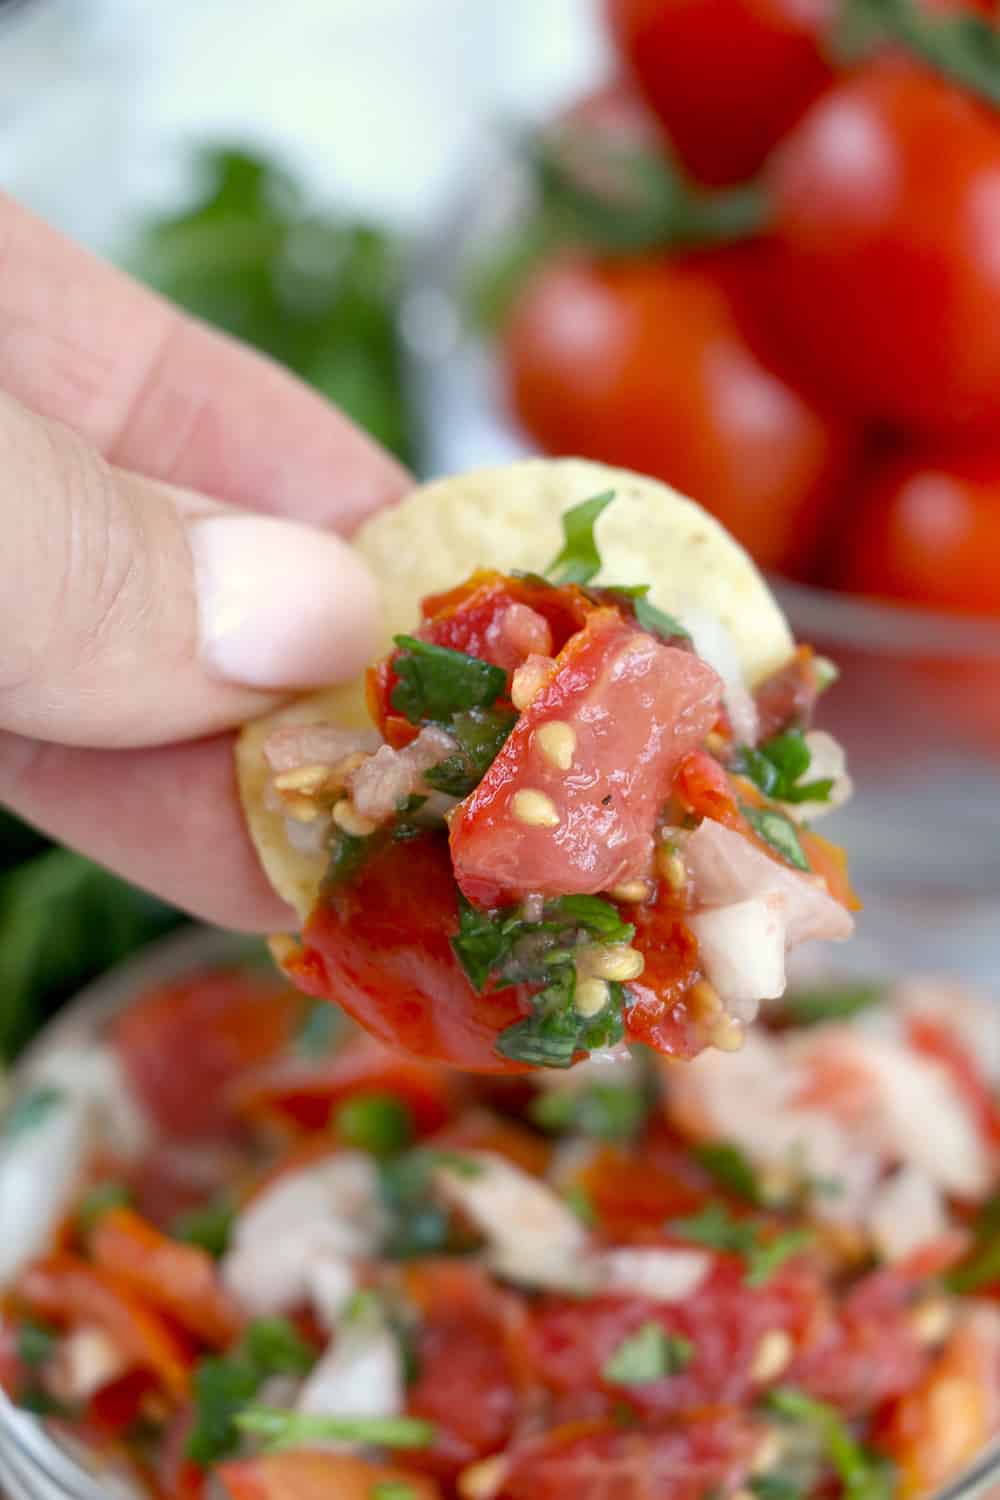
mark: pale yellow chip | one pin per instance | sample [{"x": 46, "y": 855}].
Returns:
[{"x": 511, "y": 518}]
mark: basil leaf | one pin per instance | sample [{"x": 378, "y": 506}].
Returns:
[
  {"x": 863, "y": 1475},
  {"x": 480, "y": 735},
  {"x": 222, "y": 1387},
  {"x": 36, "y": 1343},
  {"x": 775, "y": 1487},
  {"x": 598, "y": 917},
  {"x": 829, "y": 1003},
  {"x": 377, "y": 1123},
  {"x": 275, "y": 1347},
  {"x": 29, "y": 1110},
  {"x": 635, "y": 595},
  {"x": 764, "y": 1259},
  {"x": 778, "y": 831},
  {"x": 285, "y": 1429},
  {"x": 482, "y": 943},
  {"x": 435, "y": 682},
  {"x": 730, "y": 1168},
  {"x": 717, "y": 1229},
  {"x": 777, "y": 768},
  {"x": 552, "y": 1035},
  {"x": 579, "y": 560},
  {"x": 209, "y": 1227},
  {"x": 603, "y": 1111},
  {"x": 648, "y": 1355},
  {"x": 348, "y": 856}
]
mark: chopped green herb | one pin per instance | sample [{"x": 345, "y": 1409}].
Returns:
[
  {"x": 980, "y": 1269},
  {"x": 778, "y": 831},
  {"x": 594, "y": 915},
  {"x": 29, "y": 1110},
  {"x": 436, "y": 683},
  {"x": 604, "y": 1111},
  {"x": 777, "y": 767},
  {"x": 393, "y": 1489},
  {"x": 404, "y": 826},
  {"x": 582, "y": 1205},
  {"x": 379, "y": 1123},
  {"x": 223, "y": 1386},
  {"x": 657, "y": 621},
  {"x": 348, "y": 854},
  {"x": 716, "y": 1228},
  {"x": 319, "y": 1029},
  {"x": 832, "y": 1002},
  {"x": 775, "y": 1487},
  {"x": 730, "y": 1168},
  {"x": 480, "y": 734},
  {"x": 579, "y": 560},
  {"x": 99, "y": 1201},
  {"x": 418, "y": 1225},
  {"x": 275, "y": 1347},
  {"x": 483, "y": 942},
  {"x": 555, "y": 1031},
  {"x": 286, "y": 1429},
  {"x": 863, "y": 1475},
  {"x": 36, "y": 1343},
  {"x": 648, "y": 1355},
  {"x": 455, "y": 1161},
  {"x": 210, "y": 1226}
]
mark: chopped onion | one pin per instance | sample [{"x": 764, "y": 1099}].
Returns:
[
  {"x": 390, "y": 776},
  {"x": 907, "y": 1211},
  {"x": 360, "y": 1375},
  {"x": 715, "y": 645},
  {"x": 659, "y": 1275},
  {"x": 40, "y": 1170},
  {"x": 742, "y": 951}
]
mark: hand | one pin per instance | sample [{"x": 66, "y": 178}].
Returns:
[{"x": 171, "y": 563}]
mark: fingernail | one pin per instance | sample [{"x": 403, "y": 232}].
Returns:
[{"x": 280, "y": 605}]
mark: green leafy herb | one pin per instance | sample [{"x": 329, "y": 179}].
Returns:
[
  {"x": 656, "y": 621},
  {"x": 29, "y": 1110},
  {"x": 555, "y": 1031},
  {"x": 647, "y": 1355},
  {"x": 319, "y": 1029},
  {"x": 378, "y": 1123},
  {"x": 99, "y": 1201},
  {"x": 223, "y": 1386},
  {"x": 579, "y": 560},
  {"x": 863, "y": 1475},
  {"x": 964, "y": 47},
  {"x": 36, "y": 1343},
  {"x": 833, "y": 1002},
  {"x": 717, "y": 1229},
  {"x": 210, "y": 1226},
  {"x": 418, "y": 1225},
  {"x": 287, "y": 1429},
  {"x": 775, "y": 1487},
  {"x": 778, "y": 831},
  {"x": 393, "y": 1489},
  {"x": 730, "y": 1168},
  {"x": 483, "y": 943},
  {"x": 980, "y": 1268},
  {"x": 582, "y": 1204},
  {"x": 480, "y": 734},
  {"x": 604, "y": 1111},
  {"x": 436, "y": 683},
  {"x": 348, "y": 856},
  {"x": 778, "y": 766}
]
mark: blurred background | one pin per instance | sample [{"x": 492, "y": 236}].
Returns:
[{"x": 749, "y": 248}]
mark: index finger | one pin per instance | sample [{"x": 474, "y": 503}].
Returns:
[{"x": 159, "y": 393}]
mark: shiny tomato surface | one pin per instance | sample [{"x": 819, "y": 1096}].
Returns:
[
  {"x": 726, "y": 78},
  {"x": 926, "y": 530},
  {"x": 665, "y": 366},
  {"x": 885, "y": 274}
]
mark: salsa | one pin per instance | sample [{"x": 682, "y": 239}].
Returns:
[
  {"x": 368, "y": 1277},
  {"x": 570, "y": 824}
]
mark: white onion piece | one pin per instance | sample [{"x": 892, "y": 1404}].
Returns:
[
  {"x": 907, "y": 1211},
  {"x": 360, "y": 1375},
  {"x": 658, "y": 1275},
  {"x": 94, "y": 1075},
  {"x": 40, "y": 1170},
  {"x": 725, "y": 868},
  {"x": 532, "y": 1235},
  {"x": 294, "y": 745},
  {"x": 827, "y": 763},
  {"x": 742, "y": 951},
  {"x": 86, "y": 1359},
  {"x": 715, "y": 645},
  {"x": 972, "y": 1019}
]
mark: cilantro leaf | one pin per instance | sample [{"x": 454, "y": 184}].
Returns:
[
  {"x": 418, "y": 1225},
  {"x": 863, "y": 1475},
  {"x": 274, "y": 1346},
  {"x": 435, "y": 682},
  {"x": 730, "y": 1168},
  {"x": 597, "y": 917},
  {"x": 717, "y": 1229},
  {"x": 657, "y": 621},
  {"x": 483, "y": 942},
  {"x": 480, "y": 735},
  {"x": 224, "y": 1385},
  {"x": 647, "y": 1355},
  {"x": 777, "y": 768},
  {"x": 209, "y": 1227},
  {"x": 778, "y": 831},
  {"x": 348, "y": 855},
  {"x": 579, "y": 560},
  {"x": 285, "y": 1429},
  {"x": 834, "y": 1002},
  {"x": 767, "y": 1257}
]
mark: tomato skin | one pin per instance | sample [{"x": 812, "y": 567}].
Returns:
[
  {"x": 304, "y": 1474},
  {"x": 380, "y": 949},
  {"x": 238, "y": 1020},
  {"x": 866, "y": 1352},
  {"x": 635, "y": 707},
  {"x": 727, "y": 78},
  {"x": 885, "y": 277},
  {"x": 926, "y": 529},
  {"x": 664, "y": 366},
  {"x": 656, "y": 1011},
  {"x": 941, "y": 1045}
]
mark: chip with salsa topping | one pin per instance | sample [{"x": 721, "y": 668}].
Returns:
[{"x": 566, "y": 807}]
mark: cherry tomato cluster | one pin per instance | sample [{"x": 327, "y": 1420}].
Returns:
[{"x": 829, "y": 383}]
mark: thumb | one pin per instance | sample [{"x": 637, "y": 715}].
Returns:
[{"x": 133, "y": 613}]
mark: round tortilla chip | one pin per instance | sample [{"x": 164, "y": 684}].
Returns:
[{"x": 511, "y": 518}]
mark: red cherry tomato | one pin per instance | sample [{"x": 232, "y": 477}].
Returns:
[
  {"x": 886, "y": 277},
  {"x": 727, "y": 78},
  {"x": 627, "y": 708},
  {"x": 663, "y": 366},
  {"x": 927, "y": 530}
]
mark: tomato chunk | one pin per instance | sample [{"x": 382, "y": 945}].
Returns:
[
  {"x": 302, "y": 1474},
  {"x": 631, "y": 708}
]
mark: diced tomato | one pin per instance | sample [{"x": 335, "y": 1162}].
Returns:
[
  {"x": 304, "y": 1474},
  {"x": 173, "y": 1177},
  {"x": 599, "y": 1461},
  {"x": 481, "y": 1130},
  {"x": 702, "y": 786},
  {"x": 937, "y": 1042},
  {"x": 306, "y": 1092},
  {"x": 724, "y": 1319},
  {"x": 181, "y": 1044},
  {"x": 380, "y": 948},
  {"x": 786, "y": 699},
  {"x": 181, "y": 1280},
  {"x": 829, "y": 861},
  {"x": 866, "y": 1350},
  {"x": 67, "y": 1290},
  {"x": 113, "y": 1409},
  {"x": 12, "y": 1371},
  {"x": 657, "y": 1011},
  {"x": 634, "y": 708},
  {"x": 631, "y": 1193},
  {"x": 177, "y": 1477}
]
